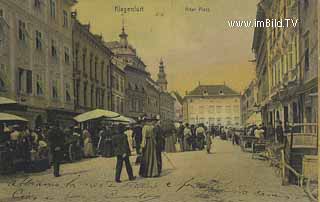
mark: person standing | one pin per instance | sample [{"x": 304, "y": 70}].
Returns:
[
  {"x": 122, "y": 152},
  {"x": 129, "y": 134},
  {"x": 181, "y": 136},
  {"x": 88, "y": 146},
  {"x": 149, "y": 162},
  {"x": 193, "y": 138},
  {"x": 137, "y": 133},
  {"x": 208, "y": 142},
  {"x": 200, "y": 133},
  {"x": 160, "y": 142},
  {"x": 187, "y": 136},
  {"x": 56, "y": 143}
]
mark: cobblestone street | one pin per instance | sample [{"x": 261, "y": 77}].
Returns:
[{"x": 226, "y": 175}]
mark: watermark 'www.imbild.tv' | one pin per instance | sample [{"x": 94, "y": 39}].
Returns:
[{"x": 282, "y": 23}]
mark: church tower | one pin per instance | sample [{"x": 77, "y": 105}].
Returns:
[
  {"x": 123, "y": 37},
  {"x": 162, "y": 77}
]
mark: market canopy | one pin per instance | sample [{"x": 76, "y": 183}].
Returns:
[
  {"x": 4, "y": 101},
  {"x": 95, "y": 114},
  {"x": 123, "y": 119},
  {"x": 11, "y": 117}
]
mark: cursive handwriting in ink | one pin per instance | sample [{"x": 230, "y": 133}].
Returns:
[{"x": 185, "y": 184}]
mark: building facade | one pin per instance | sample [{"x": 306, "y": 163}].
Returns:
[
  {"x": 178, "y": 113},
  {"x": 250, "y": 113},
  {"x": 118, "y": 84},
  {"x": 91, "y": 69},
  {"x": 212, "y": 105},
  {"x": 291, "y": 62},
  {"x": 142, "y": 93},
  {"x": 36, "y": 59}
]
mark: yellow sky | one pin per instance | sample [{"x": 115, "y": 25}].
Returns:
[{"x": 195, "y": 46}]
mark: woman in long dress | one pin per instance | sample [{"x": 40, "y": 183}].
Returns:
[
  {"x": 88, "y": 147},
  {"x": 149, "y": 162},
  {"x": 170, "y": 138}
]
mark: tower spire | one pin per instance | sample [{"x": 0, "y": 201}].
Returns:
[
  {"x": 123, "y": 36},
  {"x": 162, "y": 77}
]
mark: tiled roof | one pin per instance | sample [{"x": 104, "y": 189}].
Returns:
[
  {"x": 212, "y": 90},
  {"x": 112, "y": 44}
]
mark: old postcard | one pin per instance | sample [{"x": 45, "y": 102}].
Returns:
[{"x": 159, "y": 100}]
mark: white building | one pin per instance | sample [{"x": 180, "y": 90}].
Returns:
[{"x": 212, "y": 105}]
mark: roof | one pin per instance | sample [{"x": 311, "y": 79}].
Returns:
[
  {"x": 212, "y": 90},
  {"x": 112, "y": 44},
  {"x": 178, "y": 96}
]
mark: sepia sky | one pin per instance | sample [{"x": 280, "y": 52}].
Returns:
[{"x": 195, "y": 46}]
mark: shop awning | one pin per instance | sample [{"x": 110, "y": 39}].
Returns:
[{"x": 95, "y": 114}]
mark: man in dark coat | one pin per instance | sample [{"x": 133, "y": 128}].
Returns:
[
  {"x": 122, "y": 151},
  {"x": 56, "y": 142},
  {"x": 138, "y": 137},
  {"x": 160, "y": 142}
]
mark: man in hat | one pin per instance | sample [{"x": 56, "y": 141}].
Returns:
[
  {"x": 122, "y": 151},
  {"x": 56, "y": 142}
]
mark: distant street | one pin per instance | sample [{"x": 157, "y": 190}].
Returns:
[{"x": 227, "y": 175}]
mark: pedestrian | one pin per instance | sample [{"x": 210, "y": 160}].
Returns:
[
  {"x": 208, "y": 142},
  {"x": 200, "y": 133},
  {"x": 149, "y": 161},
  {"x": 193, "y": 138},
  {"x": 137, "y": 133},
  {"x": 56, "y": 143},
  {"x": 129, "y": 134},
  {"x": 122, "y": 152},
  {"x": 187, "y": 136},
  {"x": 181, "y": 137},
  {"x": 160, "y": 142},
  {"x": 88, "y": 146}
]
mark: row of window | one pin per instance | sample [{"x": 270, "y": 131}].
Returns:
[
  {"x": 118, "y": 83},
  {"x": 27, "y": 79},
  {"x": 96, "y": 96},
  {"x": 118, "y": 104},
  {"x": 38, "y": 5},
  {"x": 40, "y": 43},
  {"x": 215, "y": 109},
  {"x": 93, "y": 64}
]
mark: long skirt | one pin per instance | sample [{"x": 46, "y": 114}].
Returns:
[
  {"x": 107, "y": 149},
  {"x": 149, "y": 161},
  {"x": 170, "y": 144},
  {"x": 88, "y": 148},
  {"x": 186, "y": 144}
]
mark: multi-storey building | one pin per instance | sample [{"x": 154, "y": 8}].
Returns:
[
  {"x": 212, "y": 105},
  {"x": 142, "y": 92},
  {"x": 260, "y": 50},
  {"x": 135, "y": 70},
  {"x": 291, "y": 62},
  {"x": 308, "y": 48},
  {"x": 118, "y": 80},
  {"x": 250, "y": 113},
  {"x": 36, "y": 58},
  {"x": 178, "y": 114},
  {"x": 91, "y": 65}
]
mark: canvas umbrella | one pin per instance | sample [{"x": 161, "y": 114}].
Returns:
[
  {"x": 123, "y": 119},
  {"x": 11, "y": 117},
  {"x": 4, "y": 101},
  {"x": 95, "y": 114}
]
